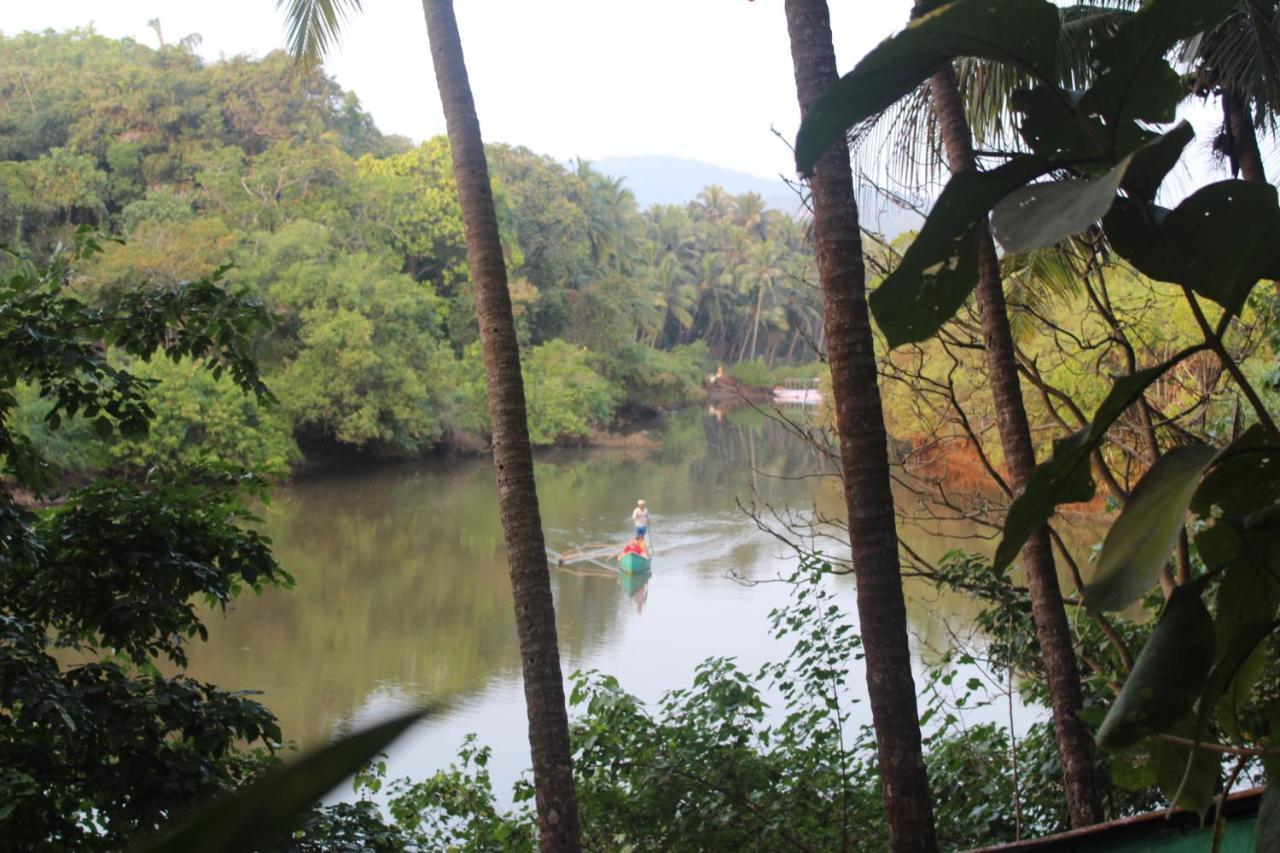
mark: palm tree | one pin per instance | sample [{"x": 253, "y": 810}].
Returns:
[
  {"x": 512, "y": 454},
  {"x": 750, "y": 214},
  {"x": 864, "y": 453},
  {"x": 762, "y": 272},
  {"x": 612, "y": 222},
  {"x": 1075, "y": 743},
  {"x": 714, "y": 204},
  {"x": 1240, "y": 60},
  {"x": 314, "y": 24}
]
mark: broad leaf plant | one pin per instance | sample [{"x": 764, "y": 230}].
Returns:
[{"x": 1092, "y": 161}]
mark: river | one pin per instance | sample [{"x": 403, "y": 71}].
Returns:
[{"x": 402, "y": 597}]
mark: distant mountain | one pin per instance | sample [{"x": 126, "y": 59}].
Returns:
[{"x": 675, "y": 180}]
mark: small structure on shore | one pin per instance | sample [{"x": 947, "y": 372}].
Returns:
[{"x": 798, "y": 392}]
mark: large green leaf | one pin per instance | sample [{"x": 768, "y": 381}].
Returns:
[
  {"x": 1154, "y": 762},
  {"x": 1154, "y": 160},
  {"x": 939, "y": 269},
  {"x": 1134, "y": 81},
  {"x": 1064, "y": 477},
  {"x": 1220, "y": 241},
  {"x": 1168, "y": 675},
  {"x": 1268, "y": 836},
  {"x": 1023, "y": 33},
  {"x": 1244, "y": 480},
  {"x": 1040, "y": 215},
  {"x": 255, "y": 815},
  {"x": 1140, "y": 541},
  {"x": 1052, "y": 124},
  {"x": 1133, "y": 229},
  {"x": 913, "y": 302},
  {"x": 1248, "y": 599},
  {"x": 1188, "y": 777}
]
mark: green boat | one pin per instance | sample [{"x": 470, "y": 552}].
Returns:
[
  {"x": 634, "y": 564},
  {"x": 632, "y": 582}
]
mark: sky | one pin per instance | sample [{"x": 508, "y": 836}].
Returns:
[{"x": 708, "y": 80}]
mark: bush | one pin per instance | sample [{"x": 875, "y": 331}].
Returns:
[
  {"x": 72, "y": 448},
  {"x": 758, "y": 374},
  {"x": 566, "y": 397},
  {"x": 370, "y": 366},
  {"x": 658, "y": 379},
  {"x": 202, "y": 421}
]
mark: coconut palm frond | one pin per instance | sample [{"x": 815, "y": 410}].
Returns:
[
  {"x": 987, "y": 89},
  {"x": 1036, "y": 282},
  {"x": 902, "y": 141},
  {"x": 1083, "y": 24},
  {"x": 313, "y": 26},
  {"x": 1241, "y": 54}
]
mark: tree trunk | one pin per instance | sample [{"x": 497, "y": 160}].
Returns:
[
  {"x": 791, "y": 350},
  {"x": 512, "y": 456},
  {"x": 1243, "y": 140},
  {"x": 864, "y": 453},
  {"x": 1244, "y": 151},
  {"x": 755, "y": 322},
  {"x": 1075, "y": 744}
]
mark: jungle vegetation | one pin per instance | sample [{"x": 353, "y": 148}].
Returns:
[
  {"x": 1114, "y": 355},
  {"x": 354, "y": 241}
]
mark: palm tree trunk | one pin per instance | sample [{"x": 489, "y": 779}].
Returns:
[
  {"x": 1075, "y": 745},
  {"x": 512, "y": 456},
  {"x": 864, "y": 455},
  {"x": 1244, "y": 140},
  {"x": 755, "y": 321},
  {"x": 1245, "y": 154}
]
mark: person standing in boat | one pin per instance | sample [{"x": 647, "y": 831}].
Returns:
[{"x": 640, "y": 515}]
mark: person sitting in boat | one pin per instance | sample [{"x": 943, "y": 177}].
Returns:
[
  {"x": 635, "y": 546},
  {"x": 640, "y": 515}
]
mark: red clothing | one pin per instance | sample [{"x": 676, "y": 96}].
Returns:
[{"x": 633, "y": 548}]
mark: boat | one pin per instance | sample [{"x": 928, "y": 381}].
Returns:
[
  {"x": 633, "y": 582},
  {"x": 634, "y": 564}
]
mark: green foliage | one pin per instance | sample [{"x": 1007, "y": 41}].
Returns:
[
  {"x": 368, "y": 363},
  {"x": 262, "y": 812},
  {"x": 1065, "y": 478},
  {"x": 1140, "y": 541},
  {"x": 758, "y": 374},
  {"x": 99, "y": 748},
  {"x": 566, "y": 397},
  {"x": 1166, "y": 677},
  {"x": 200, "y": 421},
  {"x": 659, "y": 379},
  {"x": 98, "y": 752},
  {"x": 455, "y": 808},
  {"x": 1019, "y": 32},
  {"x": 1216, "y": 244}
]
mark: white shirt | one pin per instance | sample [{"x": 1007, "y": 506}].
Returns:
[{"x": 641, "y": 517}]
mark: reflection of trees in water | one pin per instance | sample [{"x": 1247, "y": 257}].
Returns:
[
  {"x": 400, "y": 573},
  {"x": 402, "y": 585}
]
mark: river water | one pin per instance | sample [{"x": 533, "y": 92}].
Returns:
[{"x": 402, "y": 597}]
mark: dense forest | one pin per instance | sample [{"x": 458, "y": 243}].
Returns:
[{"x": 275, "y": 180}]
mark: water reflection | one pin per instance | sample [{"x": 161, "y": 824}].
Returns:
[{"x": 403, "y": 598}]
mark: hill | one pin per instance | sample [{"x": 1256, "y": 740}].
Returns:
[{"x": 676, "y": 180}]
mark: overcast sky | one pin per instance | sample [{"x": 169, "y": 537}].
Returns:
[{"x": 704, "y": 79}]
